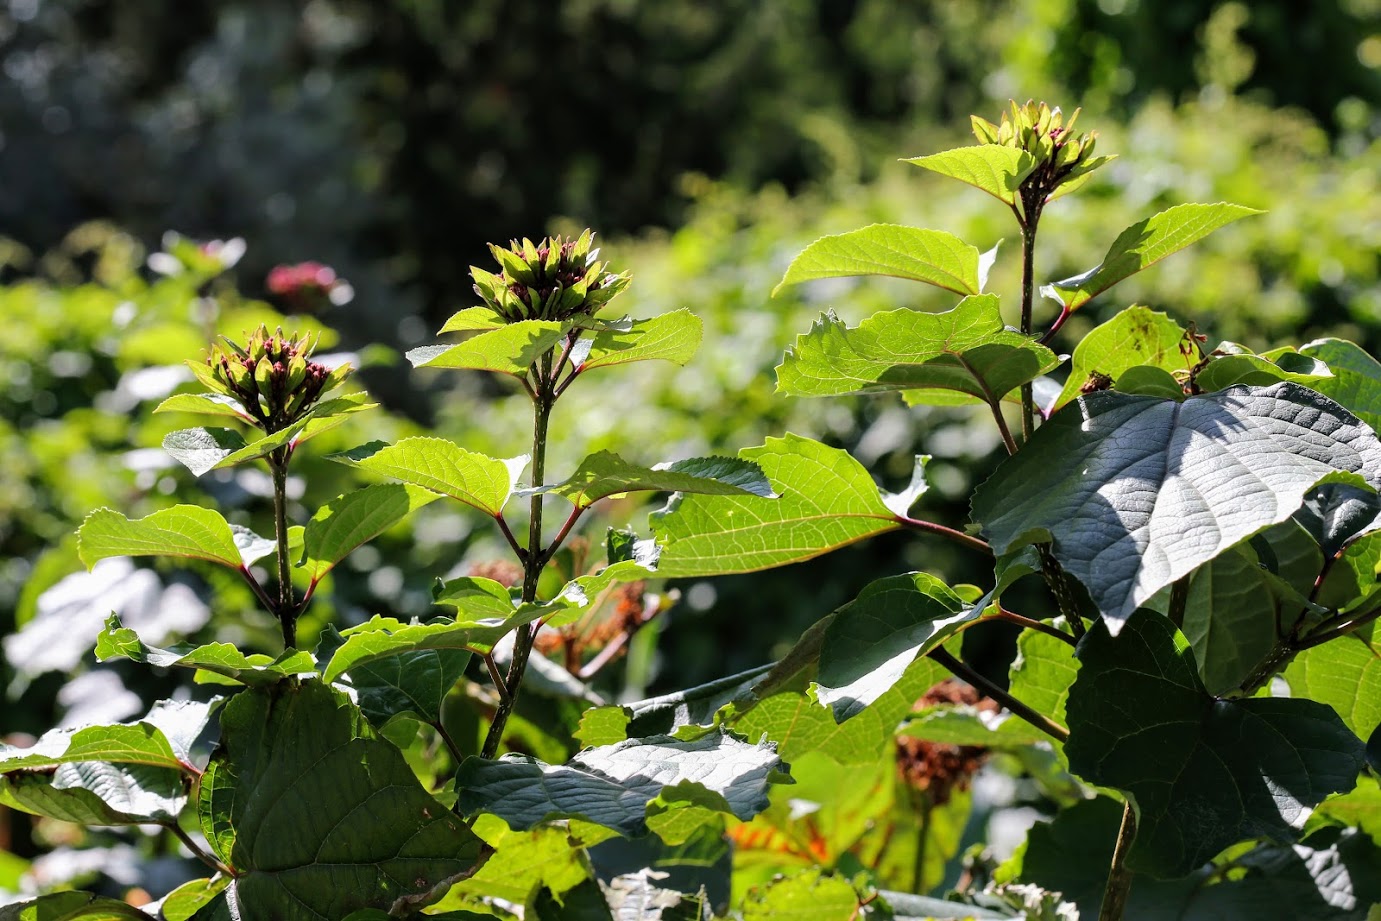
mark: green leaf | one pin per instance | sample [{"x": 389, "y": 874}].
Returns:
[
  {"x": 206, "y": 404},
  {"x": 442, "y": 467},
  {"x": 1136, "y": 336},
  {"x": 606, "y": 474},
  {"x": 71, "y": 906},
  {"x": 827, "y": 500},
  {"x": 1136, "y": 492},
  {"x": 995, "y": 169},
  {"x": 1144, "y": 244},
  {"x": 186, "y": 900},
  {"x": 612, "y": 785},
  {"x": 1356, "y": 381},
  {"x": 96, "y": 793},
  {"x": 958, "y": 724},
  {"x": 1228, "y": 370},
  {"x": 1150, "y": 381},
  {"x": 415, "y": 682},
  {"x": 511, "y": 349},
  {"x": 160, "y": 739},
  {"x": 873, "y": 639},
  {"x": 224, "y": 659},
  {"x": 1042, "y": 674},
  {"x": 693, "y": 708},
  {"x": 475, "y": 598},
  {"x": 356, "y": 518},
  {"x": 967, "y": 350},
  {"x": 318, "y": 816},
  {"x": 471, "y": 318},
  {"x": 672, "y": 337},
  {"x": 603, "y": 726},
  {"x": 808, "y": 896},
  {"x": 201, "y": 450},
  {"x": 1232, "y": 614},
  {"x": 183, "y": 530},
  {"x": 1345, "y": 674},
  {"x": 931, "y": 256},
  {"x": 1204, "y": 772}
]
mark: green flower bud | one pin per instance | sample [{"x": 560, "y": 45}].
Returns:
[
  {"x": 1042, "y": 132},
  {"x": 554, "y": 279},
  {"x": 272, "y": 377}
]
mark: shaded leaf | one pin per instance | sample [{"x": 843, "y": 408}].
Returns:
[
  {"x": 1204, "y": 772},
  {"x": 967, "y": 350},
  {"x": 1144, "y": 244},
  {"x": 1356, "y": 380},
  {"x": 931, "y": 256},
  {"x": 827, "y": 500},
  {"x": 995, "y": 169},
  {"x": 318, "y": 816},
  {"x": 672, "y": 337},
  {"x": 612, "y": 785},
  {"x": 356, "y": 518},
  {"x": 71, "y": 906},
  {"x": 1282, "y": 365},
  {"x": 606, "y": 474},
  {"x": 183, "y": 530},
  {"x": 414, "y": 682},
  {"x": 442, "y": 467},
  {"x": 1136, "y": 492},
  {"x": 219, "y": 658}
]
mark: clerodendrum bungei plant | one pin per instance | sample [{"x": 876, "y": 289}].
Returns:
[{"x": 1196, "y": 687}]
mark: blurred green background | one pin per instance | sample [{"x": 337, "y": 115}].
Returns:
[{"x": 707, "y": 142}]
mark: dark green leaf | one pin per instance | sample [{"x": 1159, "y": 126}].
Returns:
[
  {"x": 1144, "y": 244},
  {"x": 873, "y": 639},
  {"x": 183, "y": 530},
  {"x": 827, "y": 500},
  {"x": 318, "y": 816},
  {"x": 415, "y": 682},
  {"x": 1204, "y": 772},
  {"x": 613, "y": 785},
  {"x": 1136, "y": 492},
  {"x": 995, "y": 169},
  {"x": 931, "y": 256},
  {"x": 511, "y": 349},
  {"x": 673, "y": 337},
  {"x": 1228, "y": 370},
  {"x": 606, "y": 474},
  {"x": 967, "y": 350},
  {"x": 1336, "y": 513},
  {"x": 356, "y": 518},
  {"x": 218, "y": 658},
  {"x": 442, "y": 467}
]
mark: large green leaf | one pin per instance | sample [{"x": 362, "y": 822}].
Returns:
[
  {"x": 1356, "y": 380},
  {"x": 1136, "y": 336},
  {"x": 96, "y": 793},
  {"x": 995, "y": 169},
  {"x": 317, "y": 816},
  {"x": 415, "y": 682},
  {"x": 827, "y": 500},
  {"x": 873, "y": 639},
  {"x": 205, "y": 404},
  {"x": 356, "y": 518},
  {"x": 442, "y": 467},
  {"x": 966, "y": 351},
  {"x": 613, "y": 785},
  {"x": 1345, "y": 674},
  {"x": 186, "y": 900},
  {"x": 71, "y": 906},
  {"x": 1204, "y": 772},
  {"x": 931, "y": 256},
  {"x": 511, "y": 349},
  {"x": 673, "y": 337},
  {"x": 606, "y": 474},
  {"x": 225, "y": 659},
  {"x": 201, "y": 450},
  {"x": 1144, "y": 244},
  {"x": 161, "y": 739},
  {"x": 1137, "y": 491},
  {"x": 183, "y": 530}
]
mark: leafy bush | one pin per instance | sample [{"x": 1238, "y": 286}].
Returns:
[{"x": 1183, "y": 535}]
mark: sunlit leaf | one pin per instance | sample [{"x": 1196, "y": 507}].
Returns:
[
  {"x": 672, "y": 337},
  {"x": 442, "y": 467},
  {"x": 995, "y": 169},
  {"x": 606, "y": 474},
  {"x": 930, "y": 256},
  {"x": 118, "y": 641},
  {"x": 356, "y": 518},
  {"x": 183, "y": 530},
  {"x": 511, "y": 349}
]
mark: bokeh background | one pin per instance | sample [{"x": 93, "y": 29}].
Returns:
[{"x": 707, "y": 143}]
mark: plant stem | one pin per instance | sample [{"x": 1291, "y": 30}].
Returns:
[
  {"x": 1119, "y": 877},
  {"x": 1055, "y": 580},
  {"x": 960, "y": 670},
  {"x": 994, "y": 404},
  {"x": 197, "y": 852},
  {"x": 1039, "y": 626},
  {"x": 1179, "y": 597},
  {"x": 1028, "y": 286},
  {"x": 959, "y": 537},
  {"x": 925, "y": 807},
  {"x": 534, "y": 560},
  {"x": 285, "y": 609},
  {"x": 450, "y": 743},
  {"x": 1321, "y": 636}
]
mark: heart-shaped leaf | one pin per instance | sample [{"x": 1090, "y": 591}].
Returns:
[
  {"x": 1204, "y": 772},
  {"x": 995, "y": 169},
  {"x": 1136, "y": 491},
  {"x": 672, "y": 337},
  {"x": 1356, "y": 380},
  {"x": 356, "y": 518},
  {"x": 966, "y": 351},
  {"x": 414, "y": 682},
  {"x": 183, "y": 530},
  {"x": 511, "y": 349},
  {"x": 930, "y": 256},
  {"x": 442, "y": 467},
  {"x": 1144, "y": 244}
]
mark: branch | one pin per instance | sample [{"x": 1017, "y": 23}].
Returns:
[
  {"x": 1040, "y": 721},
  {"x": 1039, "y": 626},
  {"x": 959, "y": 537},
  {"x": 450, "y": 742},
  {"x": 196, "y": 850},
  {"x": 508, "y": 536},
  {"x": 1119, "y": 877}
]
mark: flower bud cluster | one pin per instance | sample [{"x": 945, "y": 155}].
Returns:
[
  {"x": 556, "y": 279},
  {"x": 1060, "y": 155},
  {"x": 272, "y": 377}
]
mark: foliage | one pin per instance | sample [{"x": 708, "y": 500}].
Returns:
[{"x": 357, "y": 773}]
